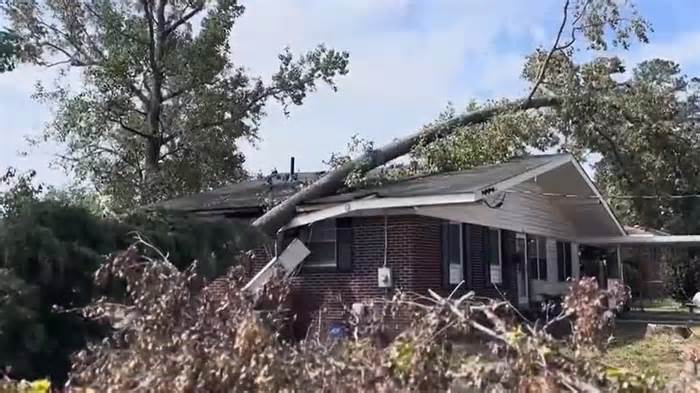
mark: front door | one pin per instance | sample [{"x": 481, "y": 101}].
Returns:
[{"x": 521, "y": 263}]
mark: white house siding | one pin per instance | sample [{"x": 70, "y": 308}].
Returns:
[
  {"x": 524, "y": 211},
  {"x": 521, "y": 212}
]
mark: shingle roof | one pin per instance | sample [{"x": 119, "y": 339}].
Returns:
[
  {"x": 458, "y": 182},
  {"x": 246, "y": 195},
  {"x": 250, "y": 195}
]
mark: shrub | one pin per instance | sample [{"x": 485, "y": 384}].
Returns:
[
  {"x": 681, "y": 275},
  {"x": 50, "y": 249}
]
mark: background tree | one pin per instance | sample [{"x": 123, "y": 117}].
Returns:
[
  {"x": 681, "y": 276},
  {"x": 640, "y": 123},
  {"x": 162, "y": 105},
  {"x": 652, "y": 152},
  {"x": 9, "y": 50}
]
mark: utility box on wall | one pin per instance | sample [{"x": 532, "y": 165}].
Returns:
[{"x": 384, "y": 279}]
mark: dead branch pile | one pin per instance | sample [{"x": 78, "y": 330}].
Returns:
[{"x": 175, "y": 336}]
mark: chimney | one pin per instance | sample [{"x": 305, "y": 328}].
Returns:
[{"x": 291, "y": 167}]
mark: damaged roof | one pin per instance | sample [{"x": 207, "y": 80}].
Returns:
[
  {"x": 458, "y": 182},
  {"x": 249, "y": 197},
  {"x": 245, "y": 197}
]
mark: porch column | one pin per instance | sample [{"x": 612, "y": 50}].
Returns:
[{"x": 619, "y": 265}]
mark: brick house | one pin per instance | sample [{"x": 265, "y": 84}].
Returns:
[{"x": 519, "y": 229}]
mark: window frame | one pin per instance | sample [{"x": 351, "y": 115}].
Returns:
[
  {"x": 445, "y": 263},
  {"x": 461, "y": 254},
  {"x": 495, "y": 267},
  {"x": 564, "y": 271},
  {"x": 538, "y": 269},
  {"x": 310, "y": 265}
]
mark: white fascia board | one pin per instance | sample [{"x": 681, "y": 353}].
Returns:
[
  {"x": 527, "y": 175},
  {"x": 593, "y": 188},
  {"x": 378, "y": 203},
  {"x": 651, "y": 240}
]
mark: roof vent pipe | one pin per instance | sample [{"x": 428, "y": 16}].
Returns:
[{"x": 291, "y": 167}]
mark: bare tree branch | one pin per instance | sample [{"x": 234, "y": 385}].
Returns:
[
  {"x": 128, "y": 128},
  {"x": 186, "y": 17},
  {"x": 555, "y": 48},
  {"x": 57, "y": 63}
]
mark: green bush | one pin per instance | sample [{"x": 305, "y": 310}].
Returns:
[
  {"x": 681, "y": 276},
  {"x": 49, "y": 250}
]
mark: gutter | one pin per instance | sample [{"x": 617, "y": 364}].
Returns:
[
  {"x": 643, "y": 240},
  {"x": 377, "y": 203}
]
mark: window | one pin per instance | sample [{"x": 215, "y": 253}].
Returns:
[
  {"x": 564, "y": 264},
  {"x": 452, "y": 247},
  {"x": 322, "y": 244},
  {"x": 537, "y": 257},
  {"x": 495, "y": 257}
]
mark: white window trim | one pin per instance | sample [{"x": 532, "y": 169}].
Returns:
[
  {"x": 570, "y": 246},
  {"x": 324, "y": 263},
  {"x": 537, "y": 254},
  {"x": 461, "y": 255},
  {"x": 526, "y": 269},
  {"x": 496, "y": 271}
]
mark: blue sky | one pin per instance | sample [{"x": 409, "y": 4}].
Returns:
[{"x": 408, "y": 60}]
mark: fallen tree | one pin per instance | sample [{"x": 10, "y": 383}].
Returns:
[
  {"x": 174, "y": 333},
  {"x": 333, "y": 180},
  {"x": 556, "y": 82}
]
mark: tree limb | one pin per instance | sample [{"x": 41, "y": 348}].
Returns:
[
  {"x": 151, "y": 35},
  {"x": 49, "y": 65},
  {"x": 186, "y": 17},
  {"x": 555, "y": 48},
  {"x": 275, "y": 218},
  {"x": 130, "y": 129}
]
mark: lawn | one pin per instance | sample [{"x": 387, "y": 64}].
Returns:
[{"x": 660, "y": 355}]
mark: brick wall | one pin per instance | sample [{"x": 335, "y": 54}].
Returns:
[{"x": 414, "y": 255}]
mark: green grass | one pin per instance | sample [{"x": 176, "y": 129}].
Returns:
[
  {"x": 663, "y": 304},
  {"x": 660, "y": 355}
]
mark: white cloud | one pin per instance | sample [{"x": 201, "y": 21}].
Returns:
[
  {"x": 407, "y": 60},
  {"x": 683, "y": 48}
]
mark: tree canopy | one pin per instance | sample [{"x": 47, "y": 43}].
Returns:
[
  {"x": 9, "y": 50},
  {"x": 639, "y": 123},
  {"x": 162, "y": 103}
]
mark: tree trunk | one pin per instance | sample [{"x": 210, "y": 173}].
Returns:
[
  {"x": 276, "y": 217},
  {"x": 152, "y": 155}
]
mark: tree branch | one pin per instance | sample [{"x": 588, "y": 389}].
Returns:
[
  {"x": 186, "y": 17},
  {"x": 128, "y": 128},
  {"x": 49, "y": 65},
  {"x": 555, "y": 48},
  {"x": 151, "y": 36}
]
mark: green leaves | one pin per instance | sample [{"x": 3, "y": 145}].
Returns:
[
  {"x": 507, "y": 135},
  {"x": 9, "y": 49},
  {"x": 163, "y": 104}
]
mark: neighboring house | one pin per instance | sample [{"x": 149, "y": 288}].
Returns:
[{"x": 519, "y": 229}]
